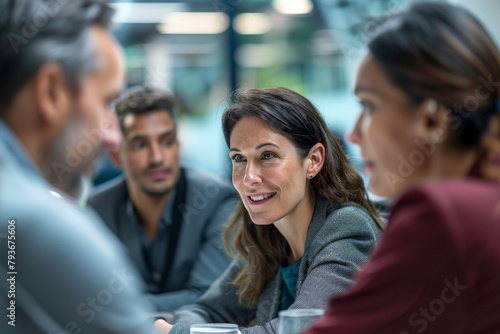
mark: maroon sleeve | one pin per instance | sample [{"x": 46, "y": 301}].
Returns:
[{"x": 411, "y": 284}]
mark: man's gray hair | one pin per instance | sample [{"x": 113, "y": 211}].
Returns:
[{"x": 37, "y": 32}]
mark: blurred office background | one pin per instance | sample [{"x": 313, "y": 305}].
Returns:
[{"x": 201, "y": 50}]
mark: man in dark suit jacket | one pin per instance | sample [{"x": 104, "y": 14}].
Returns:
[{"x": 169, "y": 218}]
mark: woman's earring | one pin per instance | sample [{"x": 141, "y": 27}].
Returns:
[
  {"x": 432, "y": 106},
  {"x": 310, "y": 176}
]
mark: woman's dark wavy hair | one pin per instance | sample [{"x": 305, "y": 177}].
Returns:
[
  {"x": 441, "y": 51},
  {"x": 261, "y": 247}
]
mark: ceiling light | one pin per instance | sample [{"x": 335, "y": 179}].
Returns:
[
  {"x": 252, "y": 24},
  {"x": 293, "y": 7},
  {"x": 144, "y": 12},
  {"x": 194, "y": 23}
]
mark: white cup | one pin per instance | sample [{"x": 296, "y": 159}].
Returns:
[
  {"x": 296, "y": 321},
  {"x": 214, "y": 329}
]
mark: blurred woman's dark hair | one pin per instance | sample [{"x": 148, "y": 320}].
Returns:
[
  {"x": 440, "y": 51},
  {"x": 261, "y": 247}
]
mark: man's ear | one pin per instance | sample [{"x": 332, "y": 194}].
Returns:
[
  {"x": 490, "y": 160},
  {"x": 433, "y": 119},
  {"x": 52, "y": 95},
  {"x": 115, "y": 157},
  {"x": 316, "y": 159}
]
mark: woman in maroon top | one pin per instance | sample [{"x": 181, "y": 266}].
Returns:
[{"x": 429, "y": 88}]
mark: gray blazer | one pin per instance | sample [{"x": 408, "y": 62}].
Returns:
[
  {"x": 339, "y": 239},
  {"x": 200, "y": 257},
  {"x": 65, "y": 258}
]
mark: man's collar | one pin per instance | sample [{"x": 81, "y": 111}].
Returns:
[
  {"x": 17, "y": 151},
  {"x": 166, "y": 217}
]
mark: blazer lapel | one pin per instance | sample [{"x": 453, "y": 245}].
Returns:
[
  {"x": 127, "y": 228},
  {"x": 269, "y": 303},
  {"x": 317, "y": 220}
]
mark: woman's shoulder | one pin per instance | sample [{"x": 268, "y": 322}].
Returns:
[
  {"x": 348, "y": 215},
  {"x": 460, "y": 207},
  {"x": 344, "y": 220},
  {"x": 452, "y": 195}
]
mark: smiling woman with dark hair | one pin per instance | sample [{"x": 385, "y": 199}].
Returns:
[{"x": 304, "y": 224}]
